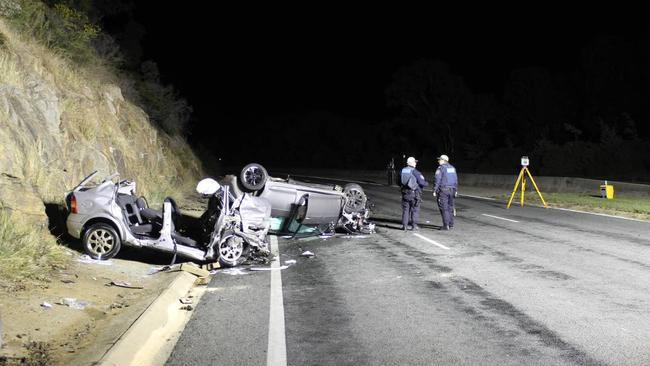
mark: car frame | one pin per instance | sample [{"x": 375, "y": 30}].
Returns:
[{"x": 109, "y": 214}]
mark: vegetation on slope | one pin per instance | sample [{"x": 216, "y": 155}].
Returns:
[{"x": 64, "y": 113}]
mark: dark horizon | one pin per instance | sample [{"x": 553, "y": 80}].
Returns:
[
  {"x": 288, "y": 78},
  {"x": 283, "y": 70}
]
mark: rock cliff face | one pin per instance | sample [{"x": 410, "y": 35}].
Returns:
[{"x": 59, "y": 122}]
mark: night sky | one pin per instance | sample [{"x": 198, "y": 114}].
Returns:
[
  {"x": 242, "y": 67},
  {"x": 342, "y": 62}
]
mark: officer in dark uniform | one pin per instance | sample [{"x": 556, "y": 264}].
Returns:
[
  {"x": 445, "y": 189},
  {"x": 412, "y": 182},
  {"x": 390, "y": 171}
]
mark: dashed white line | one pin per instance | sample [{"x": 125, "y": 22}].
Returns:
[
  {"x": 277, "y": 347},
  {"x": 430, "y": 241},
  {"x": 500, "y": 218}
]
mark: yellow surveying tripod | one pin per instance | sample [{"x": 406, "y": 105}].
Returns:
[{"x": 522, "y": 178}]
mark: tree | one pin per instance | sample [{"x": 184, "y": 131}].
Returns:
[
  {"x": 531, "y": 100},
  {"x": 434, "y": 102}
]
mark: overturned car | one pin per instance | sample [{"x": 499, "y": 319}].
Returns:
[{"x": 296, "y": 204}]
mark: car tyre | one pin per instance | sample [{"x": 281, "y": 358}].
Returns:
[
  {"x": 356, "y": 198},
  {"x": 101, "y": 241},
  {"x": 233, "y": 251},
  {"x": 253, "y": 177}
]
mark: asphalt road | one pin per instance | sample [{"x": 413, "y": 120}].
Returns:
[{"x": 525, "y": 286}]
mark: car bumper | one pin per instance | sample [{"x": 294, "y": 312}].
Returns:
[{"x": 75, "y": 224}]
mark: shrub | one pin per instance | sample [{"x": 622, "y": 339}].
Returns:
[
  {"x": 60, "y": 27},
  {"x": 161, "y": 102}
]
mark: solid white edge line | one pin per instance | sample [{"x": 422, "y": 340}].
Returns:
[
  {"x": 430, "y": 241},
  {"x": 479, "y": 197},
  {"x": 598, "y": 214},
  {"x": 277, "y": 348},
  {"x": 500, "y": 218}
]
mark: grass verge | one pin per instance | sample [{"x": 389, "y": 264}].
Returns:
[
  {"x": 26, "y": 252},
  {"x": 637, "y": 207}
]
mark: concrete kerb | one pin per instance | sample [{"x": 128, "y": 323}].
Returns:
[{"x": 152, "y": 337}]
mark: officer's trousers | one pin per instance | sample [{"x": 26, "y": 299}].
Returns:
[
  {"x": 446, "y": 206},
  {"x": 410, "y": 209}
]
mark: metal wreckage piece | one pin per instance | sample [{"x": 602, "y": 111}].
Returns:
[{"x": 357, "y": 223}]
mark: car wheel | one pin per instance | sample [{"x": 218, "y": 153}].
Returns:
[
  {"x": 101, "y": 241},
  {"x": 356, "y": 198},
  {"x": 233, "y": 251},
  {"x": 253, "y": 177}
]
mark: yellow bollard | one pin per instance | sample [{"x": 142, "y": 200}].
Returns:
[{"x": 607, "y": 191}]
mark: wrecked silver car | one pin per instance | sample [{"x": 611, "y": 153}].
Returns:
[
  {"x": 296, "y": 204},
  {"x": 109, "y": 214}
]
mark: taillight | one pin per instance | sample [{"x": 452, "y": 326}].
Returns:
[{"x": 73, "y": 204}]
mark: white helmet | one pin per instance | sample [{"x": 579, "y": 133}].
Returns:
[
  {"x": 207, "y": 187},
  {"x": 411, "y": 161}
]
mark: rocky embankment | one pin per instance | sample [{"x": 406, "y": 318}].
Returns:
[{"x": 58, "y": 122}]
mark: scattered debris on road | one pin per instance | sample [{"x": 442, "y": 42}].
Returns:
[
  {"x": 85, "y": 258},
  {"x": 193, "y": 269},
  {"x": 118, "y": 305},
  {"x": 154, "y": 270},
  {"x": 307, "y": 254},
  {"x": 202, "y": 281},
  {"x": 185, "y": 300},
  {"x": 124, "y": 284},
  {"x": 211, "y": 266},
  {"x": 46, "y": 305},
  {"x": 290, "y": 261},
  {"x": 73, "y": 303}
]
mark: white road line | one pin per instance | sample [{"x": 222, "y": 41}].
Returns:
[
  {"x": 479, "y": 197},
  {"x": 277, "y": 347},
  {"x": 500, "y": 218},
  {"x": 599, "y": 214},
  {"x": 430, "y": 241}
]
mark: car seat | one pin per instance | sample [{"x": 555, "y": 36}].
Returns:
[
  {"x": 130, "y": 207},
  {"x": 151, "y": 215}
]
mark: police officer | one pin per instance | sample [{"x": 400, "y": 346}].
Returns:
[
  {"x": 390, "y": 171},
  {"x": 445, "y": 190},
  {"x": 412, "y": 182}
]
